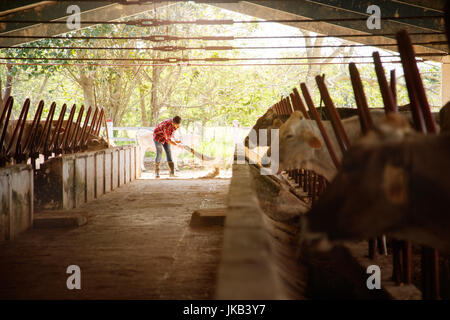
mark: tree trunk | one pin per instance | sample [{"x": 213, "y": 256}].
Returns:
[
  {"x": 154, "y": 101},
  {"x": 8, "y": 84},
  {"x": 143, "y": 111},
  {"x": 41, "y": 89},
  {"x": 87, "y": 83}
]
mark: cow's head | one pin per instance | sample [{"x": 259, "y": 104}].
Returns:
[
  {"x": 270, "y": 120},
  {"x": 301, "y": 146},
  {"x": 367, "y": 197},
  {"x": 389, "y": 183}
]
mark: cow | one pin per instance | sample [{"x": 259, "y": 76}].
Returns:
[
  {"x": 270, "y": 120},
  {"x": 391, "y": 182},
  {"x": 301, "y": 144}
]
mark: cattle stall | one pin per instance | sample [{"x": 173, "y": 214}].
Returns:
[
  {"x": 326, "y": 201},
  {"x": 415, "y": 270},
  {"x": 56, "y": 164}
]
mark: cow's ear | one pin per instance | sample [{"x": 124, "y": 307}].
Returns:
[
  {"x": 277, "y": 123},
  {"x": 312, "y": 140}
]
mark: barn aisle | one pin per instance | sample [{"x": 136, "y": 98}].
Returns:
[{"x": 137, "y": 244}]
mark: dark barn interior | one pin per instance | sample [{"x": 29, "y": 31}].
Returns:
[{"x": 330, "y": 195}]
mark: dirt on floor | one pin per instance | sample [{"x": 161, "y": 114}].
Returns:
[{"x": 137, "y": 244}]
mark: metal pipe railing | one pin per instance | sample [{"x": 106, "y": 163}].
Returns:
[
  {"x": 424, "y": 123},
  {"x": 24, "y": 140}
]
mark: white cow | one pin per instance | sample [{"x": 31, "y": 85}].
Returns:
[
  {"x": 144, "y": 138},
  {"x": 302, "y": 146}
]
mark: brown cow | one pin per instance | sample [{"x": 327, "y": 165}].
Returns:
[{"x": 393, "y": 182}]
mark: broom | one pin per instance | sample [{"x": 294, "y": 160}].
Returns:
[{"x": 196, "y": 153}]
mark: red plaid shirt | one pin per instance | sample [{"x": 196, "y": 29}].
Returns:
[{"x": 163, "y": 131}]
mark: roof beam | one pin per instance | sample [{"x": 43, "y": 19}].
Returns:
[
  {"x": 310, "y": 9},
  {"x": 52, "y": 10}
]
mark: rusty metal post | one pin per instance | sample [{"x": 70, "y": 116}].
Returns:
[
  {"x": 91, "y": 129},
  {"x": 289, "y": 105},
  {"x": 393, "y": 85},
  {"x": 298, "y": 103},
  {"x": 361, "y": 102},
  {"x": 283, "y": 106},
  {"x": 44, "y": 142},
  {"x": 28, "y": 148},
  {"x": 99, "y": 123},
  {"x": 366, "y": 124},
  {"x": 324, "y": 133},
  {"x": 390, "y": 105},
  {"x": 4, "y": 121},
  {"x": 275, "y": 108},
  {"x": 402, "y": 254},
  {"x": 424, "y": 123},
  {"x": 54, "y": 146},
  {"x": 406, "y": 249},
  {"x": 386, "y": 92},
  {"x": 413, "y": 78},
  {"x": 397, "y": 261},
  {"x": 74, "y": 136},
  {"x": 67, "y": 129},
  {"x": 79, "y": 141},
  {"x": 18, "y": 132},
  {"x": 338, "y": 127}
]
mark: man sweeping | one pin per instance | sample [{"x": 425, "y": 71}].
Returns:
[{"x": 162, "y": 136}]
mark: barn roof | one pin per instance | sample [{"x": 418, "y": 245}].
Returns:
[{"x": 104, "y": 10}]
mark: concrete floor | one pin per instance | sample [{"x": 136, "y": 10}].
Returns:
[{"x": 137, "y": 244}]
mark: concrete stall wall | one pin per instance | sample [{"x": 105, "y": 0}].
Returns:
[
  {"x": 246, "y": 270},
  {"x": 68, "y": 181},
  {"x": 16, "y": 193}
]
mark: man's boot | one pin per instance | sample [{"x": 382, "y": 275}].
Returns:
[
  {"x": 172, "y": 168},
  {"x": 156, "y": 170}
]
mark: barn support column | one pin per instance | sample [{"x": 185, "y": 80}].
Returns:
[{"x": 445, "y": 81}]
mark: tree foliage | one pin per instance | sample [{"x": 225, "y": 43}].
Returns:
[{"x": 145, "y": 95}]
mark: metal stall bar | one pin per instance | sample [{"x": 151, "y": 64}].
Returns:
[
  {"x": 386, "y": 92},
  {"x": 54, "y": 146},
  {"x": 402, "y": 251},
  {"x": 393, "y": 85},
  {"x": 300, "y": 106},
  {"x": 65, "y": 140},
  {"x": 336, "y": 122},
  {"x": 424, "y": 123},
  {"x": 91, "y": 128},
  {"x": 324, "y": 133},
  {"x": 32, "y": 135},
  {"x": 101, "y": 118},
  {"x": 366, "y": 122},
  {"x": 79, "y": 141},
  {"x": 4, "y": 120},
  {"x": 43, "y": 143},
  {"x": 298, "y": 103},
  {"x": 18, "y": 132},
  {"x": 74, "y": 136}
]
